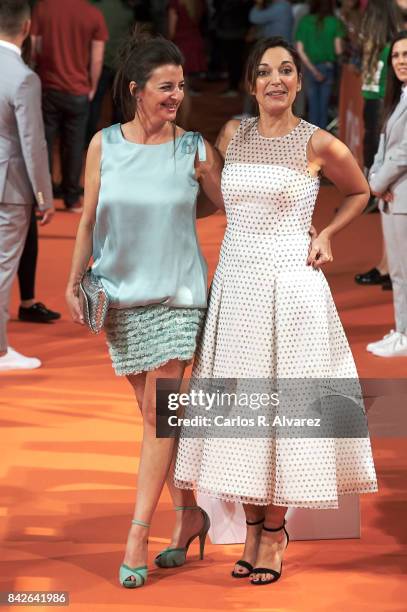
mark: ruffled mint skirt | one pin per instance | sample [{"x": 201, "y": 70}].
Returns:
[{"x": 144, "y": 338}]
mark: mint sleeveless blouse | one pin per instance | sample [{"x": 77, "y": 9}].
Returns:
[{"x": 145, "y": 247}]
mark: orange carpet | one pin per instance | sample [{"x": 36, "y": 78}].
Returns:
[{"x": 70, "y": 439}]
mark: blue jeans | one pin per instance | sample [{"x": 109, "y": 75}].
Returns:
[{"x": 319, "y": 94}]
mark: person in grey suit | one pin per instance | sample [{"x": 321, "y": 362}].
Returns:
[
  {"x": 24, "y": 173},
  {"x": 388, "y": 181}
]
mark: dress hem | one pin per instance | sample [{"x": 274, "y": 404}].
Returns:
[
  {"x": 244, "y": 499},
  {"x": 150, "y": 368}
]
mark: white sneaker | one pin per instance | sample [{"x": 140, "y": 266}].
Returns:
[
  {"x": 397, "y": 348},
  {"x": 15, "y": 361},
  {"x": 387, "y": 339}
]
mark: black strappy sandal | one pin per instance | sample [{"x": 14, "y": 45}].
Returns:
[
  {"x": 244, "y": 563},
  {"x": 266, "y": 570}
]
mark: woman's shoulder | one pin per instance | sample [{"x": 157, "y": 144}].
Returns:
[
  {"x": 95, "y": 144},
  {"x": 230, "y": 128},
  {"x": 326, "y": 148},
  {"x": 227, "y": 133},
  {"x": 111, "y": 134},
  {"x": 321, "y": 140}
]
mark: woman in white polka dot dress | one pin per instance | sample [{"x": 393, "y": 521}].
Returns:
[{"x": 271, "y": 313}]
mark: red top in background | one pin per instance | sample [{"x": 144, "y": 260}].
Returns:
[
  {"x": 67, "y": 28},
  {"x": 188, "y": 37}
]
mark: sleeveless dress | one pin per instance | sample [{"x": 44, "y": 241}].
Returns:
[
  {"x": 146, "y": 252},
  {"x": 270, "y": 316}
]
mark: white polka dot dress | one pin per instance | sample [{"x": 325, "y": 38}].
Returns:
[{"x": 272, "y": 316}]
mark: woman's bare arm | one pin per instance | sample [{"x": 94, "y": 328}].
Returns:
[
  {"x": 84, "y": 237},
  {"x": 208, "y": 173},
  {"x": 225, "y": 136},
  {"x": 213, "y": 170},
  {"x": 338, "y": 164}
]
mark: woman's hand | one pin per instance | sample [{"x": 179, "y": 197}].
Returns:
[
  {"x": 72, "y": 300},
  {"x": 320, "y": 250},
  {"x": 313, "y": 233},
  {"x": 387, "y": 196},
  {"x": 318, "y": 75}
]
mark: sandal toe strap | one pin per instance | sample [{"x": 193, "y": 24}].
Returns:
[
  {"x": 266, "y": 570},
  {"x": 245, "y": 564}
]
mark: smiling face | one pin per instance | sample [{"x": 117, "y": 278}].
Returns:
[
  {"x": 399, "y": 59},
  {"x": 162, "y": 94},
  {"x": 277, "y": 81}
]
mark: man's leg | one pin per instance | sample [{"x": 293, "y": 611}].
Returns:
[
  {"x": 325, "y": 92},
  {"x": 73, "y": 133},
  {"x": 28, "y": 263},
  {"x": 95, "y": 108},
  {"x": 395, "y": 232},
  {"x": 14, "y": 221},
  {"x": 52, "y": 118},
  {"x": 30, "y": 310},
  {"x": 312, "y": 98}
]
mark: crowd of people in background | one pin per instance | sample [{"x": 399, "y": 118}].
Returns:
[
  {"x": 73, "y": 47},
  {"x": 215, "y": 37}
]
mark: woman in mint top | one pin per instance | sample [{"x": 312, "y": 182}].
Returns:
[
  {"x": 319, "y": 42},
  {"x": 141, "y": 184}
]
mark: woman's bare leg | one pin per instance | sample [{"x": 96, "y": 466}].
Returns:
[
  {"x": 253, "y": 515},
  {"x": 138, "y": 382},
  {"x": 187, "y": 522},
  {"x": 272, "y": 543},
  {"x": 383, "y": 266},
  {"x": 155, "y": 459}
]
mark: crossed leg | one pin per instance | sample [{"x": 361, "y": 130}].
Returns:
[{"x": 155, "y": 468}]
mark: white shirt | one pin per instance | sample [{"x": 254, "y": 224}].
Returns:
[
  {"x": 403, "y": 92},
  {"x": 8, "y": 45}
]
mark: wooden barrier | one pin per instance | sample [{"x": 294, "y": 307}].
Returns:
[{"x": 351, "y": 128}]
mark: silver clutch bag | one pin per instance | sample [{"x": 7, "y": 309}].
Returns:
[{"x": 94, "y": 302}]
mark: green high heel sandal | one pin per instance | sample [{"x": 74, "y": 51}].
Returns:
[
  {"x": 175, "y": 557},
  {"x": 133, "y": 577}
]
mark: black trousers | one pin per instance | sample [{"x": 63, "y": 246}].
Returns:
[
  {"x": 372, "y": 117},
  {"x": 67, "y": 115},
  {"x": 28, "y": 262},
  {"x": 105, "y": 84}
]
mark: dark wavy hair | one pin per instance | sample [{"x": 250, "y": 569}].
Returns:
[
  {"x": 380, "y": 23},
  {"x": 257, "y": 53},
  {"x": 393, "y": 84},
  {"x": 138, "y": 57}
]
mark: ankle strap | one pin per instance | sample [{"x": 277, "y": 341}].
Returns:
[
  {"x": 141, "y": 523},
  {"x": 255, "y": 522},
  {"x": 176, "y": 508},
  {"x": 274, "y": 528}
]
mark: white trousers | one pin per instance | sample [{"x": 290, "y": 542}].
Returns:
[
  {"x": 395, "y": 238},
  {"x": 14, "y": 223}
]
